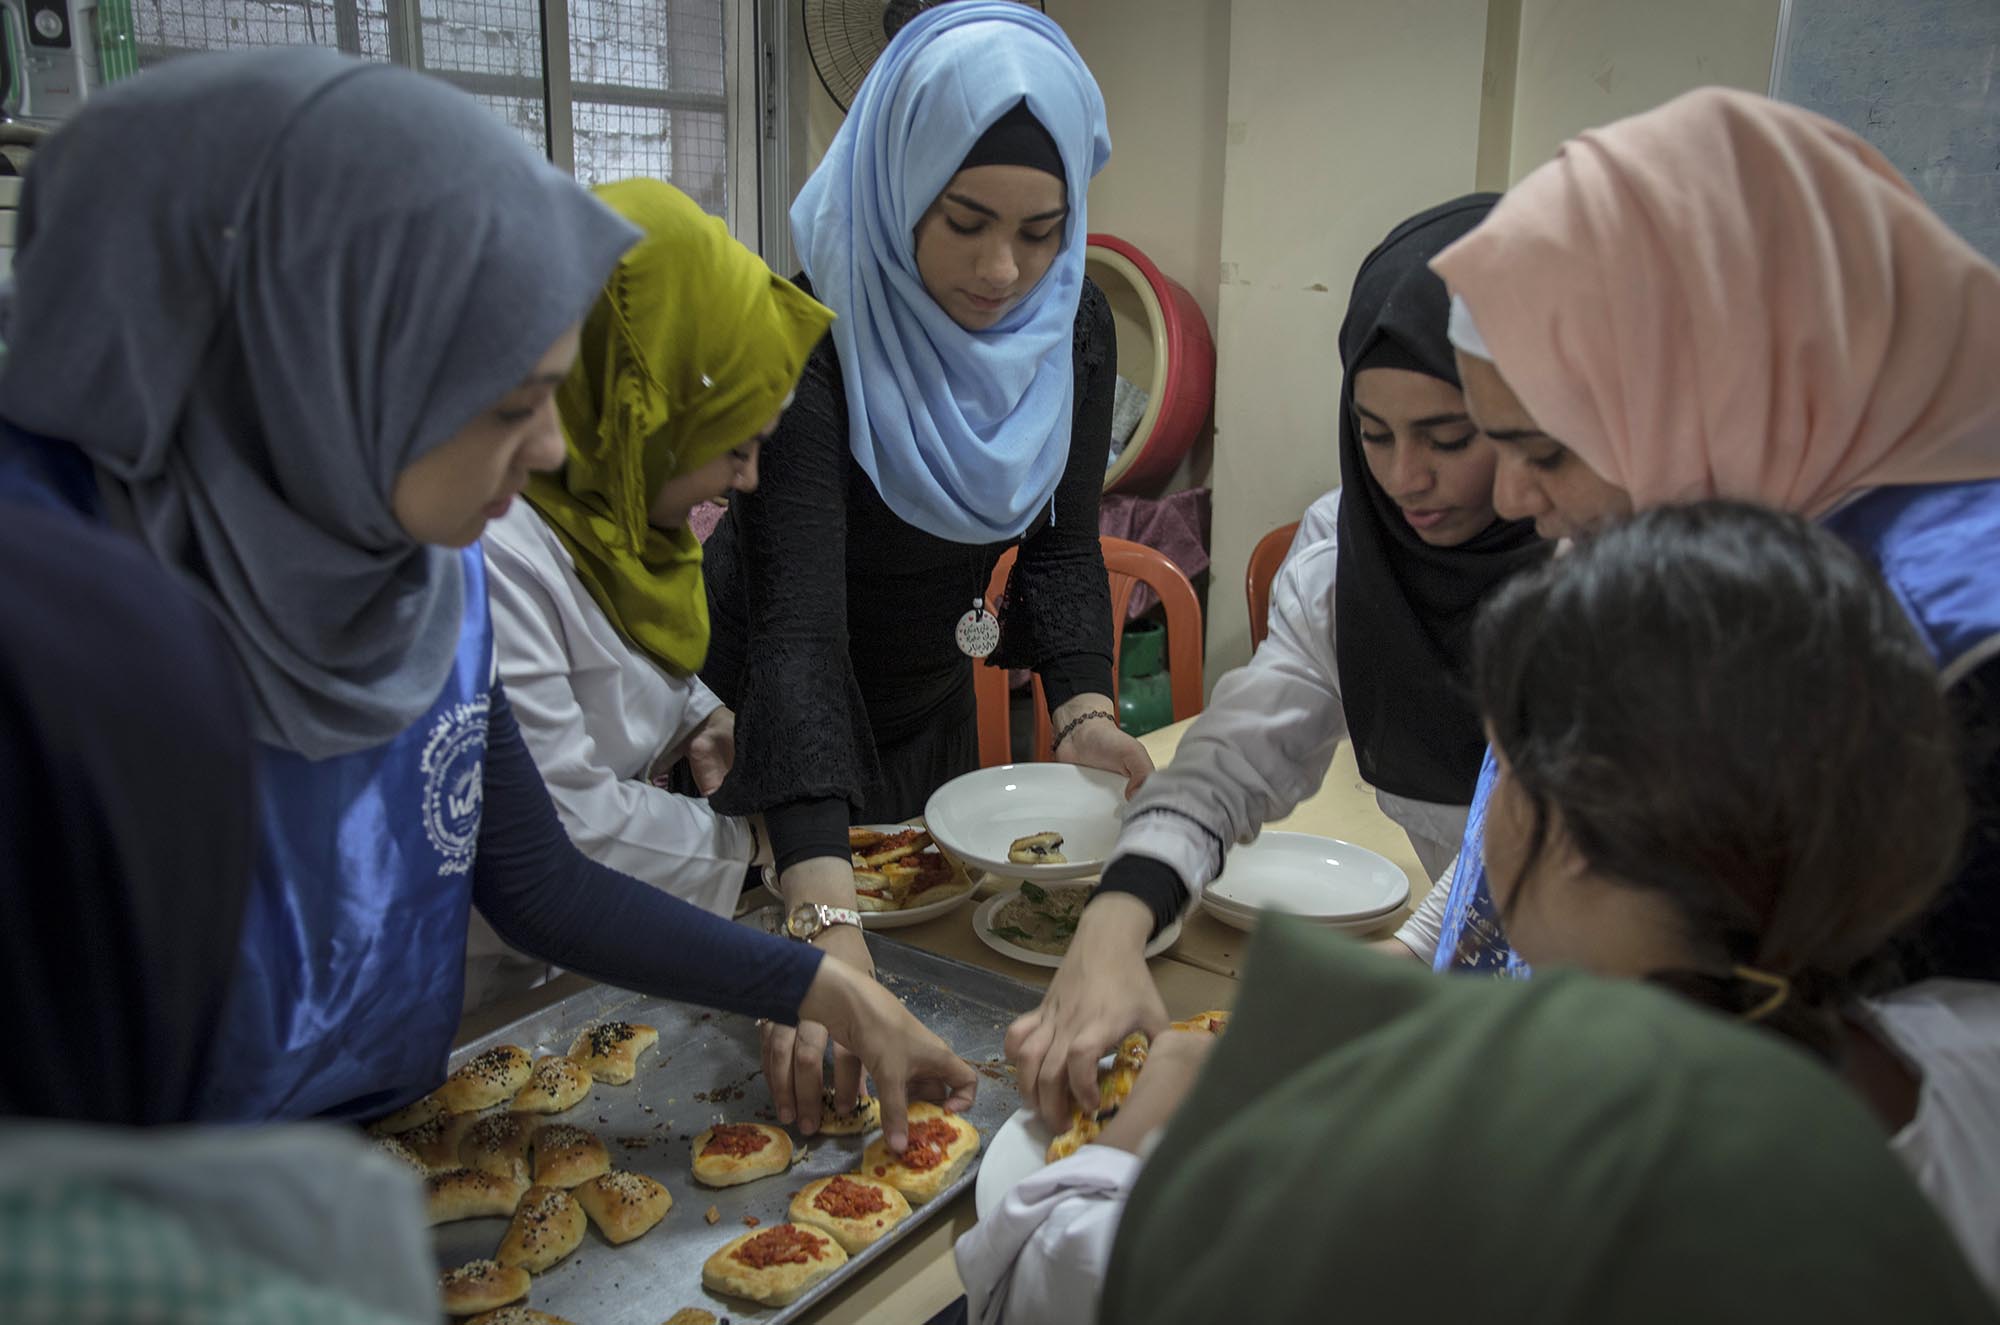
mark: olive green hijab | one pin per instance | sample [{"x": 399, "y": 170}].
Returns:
[
  {"x": 1374, "y": 1142},
  {"x": 692, "y": 348}
]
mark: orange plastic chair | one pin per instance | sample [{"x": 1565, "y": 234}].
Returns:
[
  {"x": 1128, "y": 564},
  {"x": 1265, "y": 558}
]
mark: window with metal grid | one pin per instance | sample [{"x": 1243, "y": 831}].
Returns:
[{"x": 639, "y": 87}]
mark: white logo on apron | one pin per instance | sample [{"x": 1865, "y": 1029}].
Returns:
[{"x": 454, "y": 784}]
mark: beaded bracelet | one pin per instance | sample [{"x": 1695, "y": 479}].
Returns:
[{"x": 1078, "y": 721}]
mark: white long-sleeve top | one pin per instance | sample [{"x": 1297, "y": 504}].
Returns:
[
  {"x": 1269, "y": 733},
  {"x": 599, "y": 717},
  {"x": 1040, "y": 1257}
]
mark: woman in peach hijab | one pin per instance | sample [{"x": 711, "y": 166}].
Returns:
[{"x": 1727, "y": 296}]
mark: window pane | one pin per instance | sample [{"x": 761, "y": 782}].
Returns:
[
  {"x": 648, "y": 87},
  {"x": 497, "y": 37},
  {"x": 166, "y": 28}
]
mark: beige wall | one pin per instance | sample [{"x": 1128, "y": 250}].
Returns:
[
  {"x": 1585, "y": 62},
  {"x": 1345, "y": 116}
]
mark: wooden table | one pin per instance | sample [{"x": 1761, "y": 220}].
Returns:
[{"x": 919, "y": 1278}]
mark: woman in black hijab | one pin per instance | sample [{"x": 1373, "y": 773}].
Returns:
[{"x": 1376, "y": 654}]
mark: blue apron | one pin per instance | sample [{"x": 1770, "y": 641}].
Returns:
[
  {"x": 352, "y": 966},
  {"x": 1937, "y": 545}
]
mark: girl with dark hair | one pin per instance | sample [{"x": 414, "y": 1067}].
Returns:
[
  {"x": 1728, "y": 773},
  {"x": 1371, "y": 636},
  {"x": 1738, "y": 779}
]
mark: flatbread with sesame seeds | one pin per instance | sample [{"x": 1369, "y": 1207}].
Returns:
[
  {"x": 481, "y": 1286},
  {"x": 567, "y": 1155},
  {"x": 610, "y": 1050},
  {"x": 490, "y": 1078},
  {"x": 624, "y": 1205},
  {"x": 556, "y": 1084},
  {"x": 548, "y": 1225},
  {"x": 518, "y": 1316}
]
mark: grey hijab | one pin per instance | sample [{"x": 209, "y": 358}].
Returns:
[{"x": 254, "y": 287}]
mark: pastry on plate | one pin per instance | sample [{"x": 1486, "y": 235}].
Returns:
[
  {"x": 624, "y": 1205},
  {"x": 691, "y": 1316},
  {"x": 774, "y": 1266},
  {"x": 889, "y": 847},
  {"x": 610, "y": 1050},
  {"x": 731, "y": 1153},
  {"x": 1114, "y": 1083},
  {"x": 489, "y": 1079},
  {"x": 554, "y": 1084},
  {"x": 865, "y": 1116},
  {"x": 548, "y": 1225},
  {"x": 566, "y": 1155},
  {"x": 941, "y": 1144},
  {"x": 874, "y": 892},
  {"x": 855, "y": 1208},
  {"x": 1037, "y": 849},
  {"x": 480, "y": 1286},
  {"x": 470, "y": 1194},
  {"x": 498, "y": 1144}
]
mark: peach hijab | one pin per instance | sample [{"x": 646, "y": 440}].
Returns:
[{"x": 1731, "y": 296}]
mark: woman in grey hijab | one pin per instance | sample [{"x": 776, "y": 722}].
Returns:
[{"x": 294, "y": 322}]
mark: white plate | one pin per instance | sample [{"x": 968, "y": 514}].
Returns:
[
  {"x": 978, "y": 816},
  {"x": 1316, "y": 878},
  {"x": 1248, "y": 922},
  {"x": 1020, "y": 1147},
  {"x": 913, "y": 915},
  {"x": 982, "y": 925}
]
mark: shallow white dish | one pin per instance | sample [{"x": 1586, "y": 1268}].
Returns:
[
  {"x": 978, "y": 816},
  {"x": 912, "y": 915},
  {"x": 1320, "y": 879},
  {"x": 982, "y": 925},
  {"x": 1248, "y": 922},
  {"x": 1019, "y": 1148}
]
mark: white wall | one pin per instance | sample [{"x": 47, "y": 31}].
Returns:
[{"x": 1587, "y": 62}]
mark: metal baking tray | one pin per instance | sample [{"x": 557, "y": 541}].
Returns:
[{"x": 705, "y": 1070}]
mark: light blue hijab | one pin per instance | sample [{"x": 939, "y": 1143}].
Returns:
[{"x": 964, "y": 433}]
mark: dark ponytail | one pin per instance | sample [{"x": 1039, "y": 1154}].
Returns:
[{"x": 1725, "y": 705}]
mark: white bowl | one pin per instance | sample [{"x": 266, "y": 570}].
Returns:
[
  {"x": 982, "y": 925},
  {"x": 1320, "y": 879},
  {"x": 979, "y": 816}
]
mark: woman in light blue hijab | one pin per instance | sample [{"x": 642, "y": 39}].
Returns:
[{"x": 960, "y": 406}]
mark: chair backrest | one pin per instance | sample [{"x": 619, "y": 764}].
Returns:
[
  {"x": 1265, "y": 559},
  {"x": 1128, "y": 565}
]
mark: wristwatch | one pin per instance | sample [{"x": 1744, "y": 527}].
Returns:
[{"x": 809, "y": 920}]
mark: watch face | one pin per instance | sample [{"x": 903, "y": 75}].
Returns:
[{"x": 804, "y": 921}]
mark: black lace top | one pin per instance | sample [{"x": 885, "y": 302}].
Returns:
[{"x": 833, "y": 618}]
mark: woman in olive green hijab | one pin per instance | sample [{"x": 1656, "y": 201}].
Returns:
[{"x": 687, "y": 360}]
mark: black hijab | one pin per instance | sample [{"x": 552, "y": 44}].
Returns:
[
  {"x": 126, "y": 825},
  {"x": 1403, "y": 609}
]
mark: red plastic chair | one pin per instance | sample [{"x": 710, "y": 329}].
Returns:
[
  {"x": 1265, "y": 558},
  {"x": 1128, "y": 564}
]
